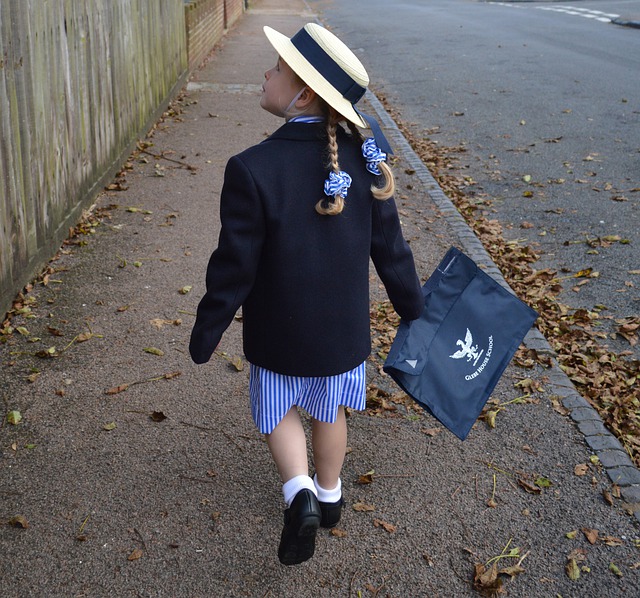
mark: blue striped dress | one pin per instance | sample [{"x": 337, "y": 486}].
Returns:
[{"x": 273, "y": 394}]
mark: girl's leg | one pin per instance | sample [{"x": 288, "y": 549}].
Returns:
[
  {"x": 329, "y": 442},
  {"x": 288, "y": 446}
]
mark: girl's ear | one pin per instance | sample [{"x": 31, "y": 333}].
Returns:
[{"x": 307, "y": 98}]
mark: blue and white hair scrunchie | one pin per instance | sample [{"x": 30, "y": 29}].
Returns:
[
  {"x": 337, "y": 184},
  {"x": 373, "y": 155}
]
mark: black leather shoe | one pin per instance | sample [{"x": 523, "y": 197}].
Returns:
[
  {"x": 301, "y": 522},
  {"x": 331, "y": 512}
]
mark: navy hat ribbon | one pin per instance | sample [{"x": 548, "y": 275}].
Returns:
[{"x": 341, "y": 81}]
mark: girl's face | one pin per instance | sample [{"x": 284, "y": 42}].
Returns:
[{"x": 280, "y": 86}]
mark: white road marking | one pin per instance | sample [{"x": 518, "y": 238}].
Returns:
[{"x": 587, "y": 13}]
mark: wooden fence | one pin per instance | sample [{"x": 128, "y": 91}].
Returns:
[{"x": 80, "y": 81}]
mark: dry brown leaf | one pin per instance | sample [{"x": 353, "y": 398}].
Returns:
[
  {"x": 581, "y": 469},
  {"x": 19, "y": 521},
  {"x": 366, "y": 478},
  {"x": 135, "y": 555},
  {"x": 116, "y": 389},
  {"x": 486, "y": 581},
  {"x": 530, "y": 488},
  {"x": 431, "y": 431},
  {"x": 388, "y": 527},
  {"x": 338, "y": 533},
  {"x": 578, "y": 554},
  {"x": 160, "y": 323},
  {"x": 362, "y": 507},
  {"x": 512, "y": 571},
  {"x": 590, "y": 534}
]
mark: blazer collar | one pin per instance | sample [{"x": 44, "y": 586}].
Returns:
[{"x": 300, "y": 132}]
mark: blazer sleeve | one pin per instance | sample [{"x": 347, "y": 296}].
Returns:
[
  {"x": 232, "y": 267},
  {"x": 394, "y": 262}
]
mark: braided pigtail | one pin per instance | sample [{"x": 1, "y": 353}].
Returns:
[
  {"x": 389, "y": 188},
  {"x": 339, "y": 181}
]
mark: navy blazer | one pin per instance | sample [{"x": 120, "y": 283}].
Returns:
[{"x": 301, "y": 278}]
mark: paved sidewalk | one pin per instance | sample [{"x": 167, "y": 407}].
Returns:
[{"x": 136, "y": 473}]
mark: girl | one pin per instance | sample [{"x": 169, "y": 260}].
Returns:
[{"x": 297, "y": 261}]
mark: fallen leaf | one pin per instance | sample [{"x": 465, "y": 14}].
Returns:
[
  {"x": 363, "y": 507},
  {"x": 615, "y": 569},
  {"x": 431, "y": 431},
  {"x": 159, "y": 323},
  {"x": 590, "y": 534},
  {"x": 572, "y": 534},
  {"x": 581, "y": 469},
  {"x": 46, "y": 353},
  {"x": 110, "y": 426},
  {"x": 607, "y": 497},
  {"x": 486, "y": 581},
  {"x": 366, "y": 478},
  {"x": 154, "y": 351},
  {"x": 388, "y": 527},
  {"x": 14, "y": 417},
  {"x": 184, "y": 290},
  {"x": 572, "y": 570},
  {"x": 19, "y": 521},
  {"x": 490, "y": 418},
  {"x": 135, "y": 555},
  {"x": 237, "y": 363},
  {"x": 611, "y": 541},
  {"x": 579, "y": 555},
  {"x": 512, "y": 571},
  {"x": 338, "y": 533},
  {"x": 529, "y": 487},
  {"x": 543, "y": 482},
  {"x": 116, "y": 389}
]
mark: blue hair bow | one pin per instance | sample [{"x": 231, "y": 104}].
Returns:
[
  {"x": 337, "y": 184},
  {"x": 373, "y": 155}
]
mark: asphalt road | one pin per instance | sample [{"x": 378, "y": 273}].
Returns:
[{"x": 544, "y": 99}]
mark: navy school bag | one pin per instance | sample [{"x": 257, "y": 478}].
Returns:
[{"x": 450, "y": 359}]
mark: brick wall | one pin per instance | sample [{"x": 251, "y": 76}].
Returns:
[
  {"x": 206, "y": 21},
  {"x": 233, "y": 10}
]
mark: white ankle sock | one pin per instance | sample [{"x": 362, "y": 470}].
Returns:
[
  {"x": 291, "y": 487},
  {"x": 328, "y": 495}
]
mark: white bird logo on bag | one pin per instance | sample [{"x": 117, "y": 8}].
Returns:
[{"x": 467, "y": 349}]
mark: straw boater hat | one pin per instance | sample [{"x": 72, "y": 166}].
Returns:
[{"x": 327, "y": 65}]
